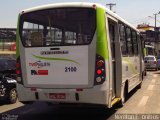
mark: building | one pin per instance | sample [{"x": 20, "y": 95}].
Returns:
[
  {"x": 151, "y": 36},
  {"x": 8, "y": 42}
]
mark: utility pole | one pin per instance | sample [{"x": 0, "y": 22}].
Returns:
[
  {"x": 156, "y": 32},
  {"x": 111, "y": 5},
  {"x": 156, "y": 19}
]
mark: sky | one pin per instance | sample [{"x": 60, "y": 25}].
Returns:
[{"x": 134, "y": 11}]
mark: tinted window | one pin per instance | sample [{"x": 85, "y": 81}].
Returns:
[
  {"x": 2, "y": 65},
  {"x": 149, "y": 58},
  {"x": 122, "y": 39},
  {"x": 11, "y": 64},
  {"x": 135, "y": 43},
  {"x": 63, "y": 26},
  {"x": 129, "y": 42},
  {"x": 6, "y": 64}
]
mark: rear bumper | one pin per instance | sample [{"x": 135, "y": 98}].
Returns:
[
  {"x": 71, "y": 95},
  {"x": 151, "y": 67}
]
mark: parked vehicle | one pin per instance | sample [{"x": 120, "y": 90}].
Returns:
[
  {"x": 8, "y": 90},
  {"x": 150, "y": 62},
  {"x": 158, "y": 64}
]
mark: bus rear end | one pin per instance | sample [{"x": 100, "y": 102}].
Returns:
[{"x": 57, "y": 59}]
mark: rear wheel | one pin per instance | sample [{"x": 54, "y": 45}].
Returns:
[
  {"x": 156, "y": 69},
  {"x": 124, "y": 96},
  {"x": 145, "y": 72},
  {"x": 139, "y": 86}
]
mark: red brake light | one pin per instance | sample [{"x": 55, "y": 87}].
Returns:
[
  {"x": 18, "y": 72},
  {"x": 99, "y": 71},
  {"x": 17, "y": 65},
  {"x": 34, "y": 89},
  {"x": 155, "y": 62},
  {"x": 79, "y": 89}
]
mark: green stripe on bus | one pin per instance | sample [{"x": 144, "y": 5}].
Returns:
[
  {"x": 17, "y": 38},
  {"x": 145, "y": 52},
  {"x": 101, "y": 45},
  {"x": 59, "y": 59}
]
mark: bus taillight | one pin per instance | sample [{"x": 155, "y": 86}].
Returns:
[
  {"x": 99, "y": 70},
  {"x": 18, "y": 68},
  {"x": 18, "y": 71},
  {"x": 100, "y": 63}
]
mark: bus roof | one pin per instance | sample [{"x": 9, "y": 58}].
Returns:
[{"x": 78, "y": 4}]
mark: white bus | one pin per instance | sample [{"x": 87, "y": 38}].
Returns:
[
  {"x": 150, "y": 50},
  {"x": 76, "y": 53}
]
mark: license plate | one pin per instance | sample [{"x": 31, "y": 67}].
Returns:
[{"x": 57, "y": 95}]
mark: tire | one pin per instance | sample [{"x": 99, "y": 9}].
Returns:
[
  {"x": 124, "y": 97},
  {"x": 145, "y": 73},
  {"x": 12, "y": 96},
  {"x": 139, "y": 86}
]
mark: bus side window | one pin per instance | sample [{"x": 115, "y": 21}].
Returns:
[
  {"x": 135, "y": 42},
  {"x": 129, "y": 41},
  {"x": 36, "y": 39},
  {"x": 122, "y": 39}
]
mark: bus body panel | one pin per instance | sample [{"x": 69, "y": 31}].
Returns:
[
  {"x": 64, "y": 67},
  {"x": 69, "y": 95},
  {"x": 131, "y": 71}
]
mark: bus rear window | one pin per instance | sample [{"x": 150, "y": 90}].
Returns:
[{"x": 58, "y": 27}]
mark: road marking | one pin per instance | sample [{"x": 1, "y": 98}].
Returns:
[
  {"x": 154, "y": 75},
  {"x": 153, "y": 80},
  {"x": 8, "y": 107},
  {"x": 150, "y": 87},
  {"x": 143, "y": 101}
]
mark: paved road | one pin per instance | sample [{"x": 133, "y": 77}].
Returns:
[
  {"x": 145, "y": 100},
  {"x": 141, "y": 101}
]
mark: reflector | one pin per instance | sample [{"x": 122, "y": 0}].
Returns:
[
  {"x": 98, "y": 79},
  {"x": 18, "y": 72}
]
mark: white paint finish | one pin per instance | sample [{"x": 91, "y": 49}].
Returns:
[{"x": 56, "y": 70}]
